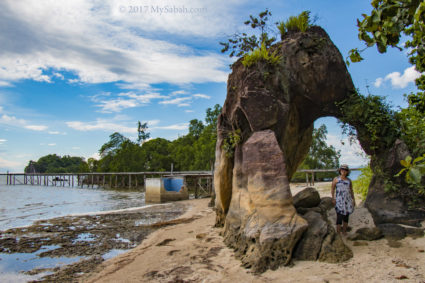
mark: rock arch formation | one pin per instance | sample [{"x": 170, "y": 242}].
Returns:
[{"x": 272, "y": 108}]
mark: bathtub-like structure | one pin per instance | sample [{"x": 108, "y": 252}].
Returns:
[{"x": 165, "y": 189}]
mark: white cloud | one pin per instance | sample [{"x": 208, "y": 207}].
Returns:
[
  {"x": 398, "y": 80},
  {"x": 51, "y": 144},
  {"x": 54, "y": 133},
  {"x": 36, "y": 127},
  {"x": 113, "y": 126},
  {"x": 179, "y": 92},
  {"x": 378, "y": 82},
  {"x": 15, "y": 122},
  {"x": 180, "y": 126},
  {"x": 95, "y": 155},
  {"x": 2, "y": 141},
  {"x": 189, "y": 111},
  {"x": 351, "y": 154},
  {"x": 76, "y": 147},
  {"x": 99, "y": 44},
  {"x": 123, "y": 101},
  {"x": 3, "y": 83},
  {"x": 200, "y": 95},
  {"x": 102, "y": 125},
  {"x": 180, "y": 101}
]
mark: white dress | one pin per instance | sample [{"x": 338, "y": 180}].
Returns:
[{"x": 344, "y": 201}]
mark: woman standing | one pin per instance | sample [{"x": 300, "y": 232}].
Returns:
[{"x": 343, "y": 198}]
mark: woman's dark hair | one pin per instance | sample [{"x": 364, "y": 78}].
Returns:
[{"x": 348, "y": 171}]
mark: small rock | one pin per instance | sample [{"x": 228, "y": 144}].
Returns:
[
  {"x": 366, "y": 234},
  {"x": 360, "y": 244},
  {"x": 392, "y": 231},
  {"x": 421, "y": 251},
  {"x": 393, "y": 243},
  {"x": 402, "y": 277},
  {"x": 165, "y": 242},
  {"x": 201, "y": 235},
  {"x": 414, "y": 232}
]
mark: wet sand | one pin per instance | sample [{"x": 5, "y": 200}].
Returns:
[{"x": 85, "y": 240}]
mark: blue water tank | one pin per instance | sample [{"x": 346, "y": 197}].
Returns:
[{"x": 173, "y": 184}]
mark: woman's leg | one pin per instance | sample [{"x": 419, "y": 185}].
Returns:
[
  {"x": 344, "y": 224},
  {"x": 338, "y": 222}
]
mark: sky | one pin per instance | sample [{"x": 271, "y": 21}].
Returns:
[{"x": 74, "y": 72}]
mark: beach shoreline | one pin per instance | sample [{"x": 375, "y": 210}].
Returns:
[
  {"x": 195, "y": 252},
  {"x": 63, "y": 248},
  {"x": 178, "y": 242}
]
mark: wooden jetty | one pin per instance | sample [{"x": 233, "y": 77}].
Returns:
[
  {"x": 309, "y": 174},
  {"x": 199, "y": 181}
]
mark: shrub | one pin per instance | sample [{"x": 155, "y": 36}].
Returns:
[
  {"x": 230, "y": 142},
  {"x": 259, "y": 54},
  {"x": 361, "y": 185},
  {"x": 295, "y": 23}
]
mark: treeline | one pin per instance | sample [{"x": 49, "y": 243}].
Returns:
[
  {"x": 193, "y": 151},
  {"x": 53, "y": 163}
]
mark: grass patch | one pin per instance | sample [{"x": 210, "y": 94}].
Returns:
[
  {"x": 260, "y": 54},
  {"x": 295, "y": 23}
]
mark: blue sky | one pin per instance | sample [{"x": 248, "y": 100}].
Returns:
[{"x": 73, "y": 72}]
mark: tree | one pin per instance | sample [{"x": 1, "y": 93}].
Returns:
[
  {"x": 53, "y": 163},
  {"x": 320, "y": 155},
  {"x": 157, "y": 155},
  {"x": 142, "y": 134},
  {"x": 115, "y": 140},
  {"x": 241, "y": 44},
  {"x": 388, "y": 22},
  {"x": 195, "y": 128}
]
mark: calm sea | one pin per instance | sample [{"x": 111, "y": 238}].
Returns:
[{"x": 21, "y": 205}]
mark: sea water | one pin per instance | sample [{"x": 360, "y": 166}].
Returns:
[{"x": 21, "y": 205}]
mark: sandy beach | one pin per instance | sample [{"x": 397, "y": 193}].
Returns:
[{"x": 194, "y": 252}]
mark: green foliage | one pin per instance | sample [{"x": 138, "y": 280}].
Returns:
[
  {"x": 53, "y": 163},
  {"x": 320, "y": 156},
  {"x": 354, "y": 56},
  {"x": 412, "y": 125},
  {"x": 260, "y": 54},
  {"x": 231, "y": 141},
  {"x": 115, "y": 141},
  {"x": 389, "y": 22},
  {"x": 295, "y": 23},
  {"x": 414, "y": 170},
  {"x": 361, "y": 184},
  {"x": 194, "y": 151},
  {"x": 371, "y": 119},
  {"x": 241, "y": 44},
  {"x": 142, "y": 134}
]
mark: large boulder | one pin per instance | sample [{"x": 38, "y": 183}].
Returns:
[
  {"x": 333, "y": 248},
  {"x": 309, "y": 197},
  {"x": 262, "y": 224},
  {"x": 311, "y": 243},
  {"x": 270, "y": 110},
  {"x": 390, "y": 207}
]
